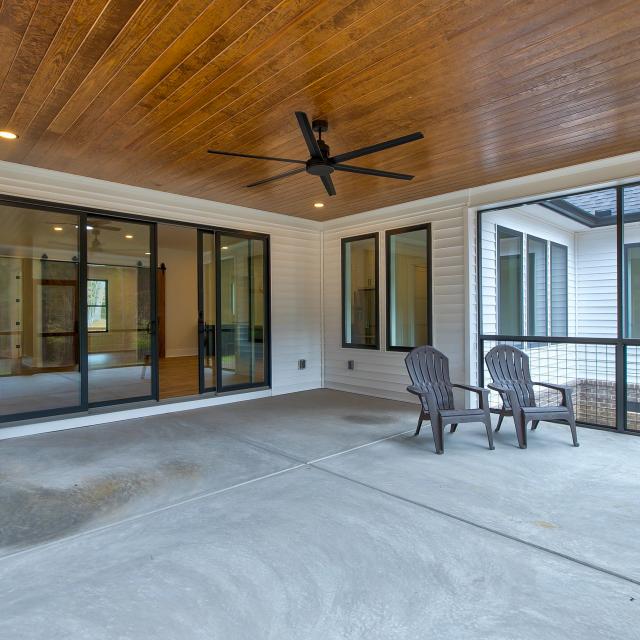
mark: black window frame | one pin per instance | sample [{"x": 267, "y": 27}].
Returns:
[
  {"x": 553, "y": 244},
  {"x": 627, "y": 299},
  {"x": 547, "y": 280},
  {"x": 343, "y": 242},
  {"x": 99, "y": 306},
  {"x": 510, "y": 233},
  {"x": 399, "y": 231}
]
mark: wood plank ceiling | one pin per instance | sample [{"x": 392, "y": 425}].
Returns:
[{"x": 135, "y": 91}]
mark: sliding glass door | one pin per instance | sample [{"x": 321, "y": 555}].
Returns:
[
  {"x": 242, "y": 311},
  {"x": 233, "y": 314},
  {"x": 120, "y": 316},
  {"x": 39, "y": 312}
]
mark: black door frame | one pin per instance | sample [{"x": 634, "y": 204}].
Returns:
[
  {"x": 83, "y": 213},
  {"x": 153, "y": 313}
]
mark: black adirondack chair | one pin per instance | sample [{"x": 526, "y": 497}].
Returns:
[
  {"x": 429, "y": 372},
  {"x": 509, "y": 369}
]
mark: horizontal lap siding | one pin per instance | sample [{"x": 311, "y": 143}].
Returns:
[
  {"x": 383, "y": 373},
  {"x": 296, "y": 310}
]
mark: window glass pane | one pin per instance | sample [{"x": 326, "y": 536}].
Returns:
[
  {"x": 39, "y": 346},
  {"x": 119, "y": 260},
  {"x": 408, "y": 287},
  {"x": 360, "y": 290},
  {"x": 585, "y": 224},
  {"x": 97, "y": 305},
  {"x": 632, "y": 277},
  {"x": 536, "y": 286},
  {"x": 509, "y": 282},
  {"x": 559, "y": 291},
  {"x": 243, "y": 311}
]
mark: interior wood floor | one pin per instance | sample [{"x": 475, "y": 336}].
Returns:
[{"x": 178, "y": 376}]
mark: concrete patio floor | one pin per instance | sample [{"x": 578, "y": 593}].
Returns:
[{"x": 317, "y": 515}]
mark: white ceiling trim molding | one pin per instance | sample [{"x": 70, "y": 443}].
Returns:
[{"x": 65, "y": 188}]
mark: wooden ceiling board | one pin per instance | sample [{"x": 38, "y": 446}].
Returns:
[{"x": 136, "y": 91}]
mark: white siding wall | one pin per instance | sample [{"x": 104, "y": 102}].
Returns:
[{"x": 380, "y": 372}]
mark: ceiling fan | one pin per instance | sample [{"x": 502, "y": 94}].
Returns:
[{"x": 320, "y": 163}]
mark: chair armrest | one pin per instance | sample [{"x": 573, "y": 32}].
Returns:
[
  {"x": 562, "y": 389},
  {"x": 557, "y": 387},
  {"x": 427, "y": 397},
  {"x": 469, "y": 387},
  {"x": 417, "y": 391},
  {"x": 498, "y": 388}
]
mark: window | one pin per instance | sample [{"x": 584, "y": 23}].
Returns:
[
  {"x": 408, "y": 254},
  {"x": 632, "y": 286},
  {"x": 97, "y": 306},
  {"x": 536, "y": 286},
  {"x": 360, "y": 325},
  {"x": 559, "y": 290},
  {"x": 509, "y": 282}
]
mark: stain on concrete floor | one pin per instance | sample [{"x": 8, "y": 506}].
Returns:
[{"x": 36, "y": 514}]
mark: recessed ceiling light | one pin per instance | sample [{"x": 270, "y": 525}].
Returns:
[
  {"x": 318, "y": 205},
  {"x": 147, "y": 253},
  {"x": 8, "y": 135},
  {"x": 129, "y": 236},
  {"x": 57, "y": 228},
  {"x": 89, "y": 228},
  {"x": 224, "y": 248}
]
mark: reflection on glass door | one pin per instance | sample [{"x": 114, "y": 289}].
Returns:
[
  {"x": 242, "y": 311},
  {"x": 207, "y": 311},
  {"x": 39, "y": 335},
  {"x": 119, "y": 314}
]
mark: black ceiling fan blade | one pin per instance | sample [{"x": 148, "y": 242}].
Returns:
[
  {"x": 280, "y": 175},
  {"x": 381, "y": 146},
  {"x": 328, "y": 185},
  {"x": 307, "y": 133},
  {"x": 248, "y": 155},
  {"x": 373, "y": 172}
]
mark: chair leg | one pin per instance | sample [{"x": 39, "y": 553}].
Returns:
[
  {"x": 438, "y": 433},
  {"x": 453, "y": 428},
  {"x": 420, "y": 419},
  {"x": 487, "y": 424},
  {"x": 574, "y": 435},
  {"x": 521, "y": 429},
  {"x": 534, "y": 425},
  {"x": 500, "y": 419}
]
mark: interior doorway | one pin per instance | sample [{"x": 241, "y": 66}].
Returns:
[{"x": 177, "y": 302}]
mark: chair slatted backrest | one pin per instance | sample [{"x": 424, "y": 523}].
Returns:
[
  {"x": 509, "y": 367},
  {"x": 428, "y": 366}
]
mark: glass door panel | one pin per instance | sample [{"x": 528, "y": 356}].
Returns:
[
  {"x": 39, "y": 329},
  {"x": 119, "y": 310},
  {"x": 242, "y": 312},
  {"x": 207, "y": 312}
]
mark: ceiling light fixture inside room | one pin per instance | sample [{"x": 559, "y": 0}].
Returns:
[
  {"x": 57, "y": 228},
  {"x": 318, "y": 205},
  {"x": 8, "y": 135},
  {"x": 129, "y": 236}
]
